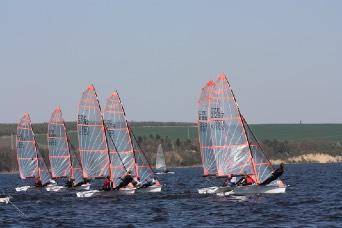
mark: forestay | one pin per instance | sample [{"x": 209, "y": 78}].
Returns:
[
  {"x": 207, "y": 155},
  {"x": 160, "y": 159},
  {"x": 91, "y": 136}
]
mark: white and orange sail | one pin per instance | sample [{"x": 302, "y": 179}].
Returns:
[
  {"x": 125, "y": 152},
  {"x": 236, "y": 149},
  {"x": 63, "y": 161},
  {"x": 92, "y": 139},
  {"x": 207, "y": 155},
  {"x": 31, "y": 163}
]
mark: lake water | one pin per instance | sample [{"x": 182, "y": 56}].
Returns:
[{"x": 313, "y": 198}]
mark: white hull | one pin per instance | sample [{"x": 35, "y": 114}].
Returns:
[
  {"x": 152, "y": 189},
  {"x": 5, "y": 200},
  {"x": 254, "y": 189},
  {"x": 162, "y": 173},
  {"x": 22, "y": 189},
  {"x": 92, "y": 193},
  {"x": 214, "y": 190},
  {"x": 56, "y": 188}
]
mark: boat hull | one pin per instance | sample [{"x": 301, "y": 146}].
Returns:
[
  {"x": 152, "y": 189},
  {"x": 254, "y": 189},
  {"x": 93, "y": 193},
  {"x": 22, "y": 188},
  {"x": 5, "y": 200},
  {"x": 214, "y": 190},
  {"x": 83, "y": 187}
]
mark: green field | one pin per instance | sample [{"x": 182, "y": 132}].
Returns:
[{"x": 280, "y": 132}]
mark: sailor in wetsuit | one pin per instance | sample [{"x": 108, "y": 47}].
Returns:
[
  {"x": 126, "y": 180},
  {"x": 275, "y": 175}
]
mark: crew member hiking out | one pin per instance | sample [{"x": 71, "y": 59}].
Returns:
[
  {"x": 126, "y": 180},
  {"x": 275, "y": 175}
]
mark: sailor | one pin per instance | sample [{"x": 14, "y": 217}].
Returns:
[
  {"x": 151, "y": 182},
  {"x": 275, "y": 175},
  {"x": 107, "y": 185},
  {"x": 246, "y": 180},
  {"x": 38, "y": 183},
  {"x": 126, "y": 180},
  {"x": 230, "y": 181}
]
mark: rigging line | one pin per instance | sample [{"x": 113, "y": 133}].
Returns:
[
  {"x": 20, "y": 212},
  {"x": 140, "y": 148}
]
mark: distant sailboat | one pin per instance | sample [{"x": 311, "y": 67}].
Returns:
[
  {"x": 31, "y": 163},
  {"x": 160, "y": 162},
  {"x": 64, "y": 162},
  {"x": 233, "y": 144}
]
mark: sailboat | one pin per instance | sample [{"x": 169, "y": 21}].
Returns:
[
  {"x": 124, "y": 147},
  {"x": 93, "y": 146},
  {"x": 160, "y": 162},
  {"x": 236, "y": 150},
  {"x": 30, "y": 161},
  {"x": 64, "y": 162}
]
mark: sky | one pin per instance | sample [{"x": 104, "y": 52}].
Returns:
[{"x": 282, "y": 58}]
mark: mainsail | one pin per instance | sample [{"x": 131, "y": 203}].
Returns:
[
  {"x": 30, "y": 161},
  {"x": 125, "y": 152},
  {"x": 235, "y": 147},
  {"x": 63, "y": 162},
  {"x": 118, "y": 138},
  {"x": 117, "y": 128},
  {"x": 160, "y": 159},
  {"x": 208, "y": 158},
  {"x": 59, "y": 154},
  {"x": 27, "y": 155},
  {"x": 91, "y": 136}
]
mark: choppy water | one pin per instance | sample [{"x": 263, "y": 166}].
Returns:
[{"x": 313, "y": 199}]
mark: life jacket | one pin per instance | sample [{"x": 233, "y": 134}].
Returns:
[{"x": 249, "y": 180}]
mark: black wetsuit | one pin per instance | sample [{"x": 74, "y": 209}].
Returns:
[
  {"x": 125, "y": 181},
  {"x": 275, "y": 175}
]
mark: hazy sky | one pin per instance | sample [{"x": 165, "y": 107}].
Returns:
[{"x": 283, "y": 58}]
